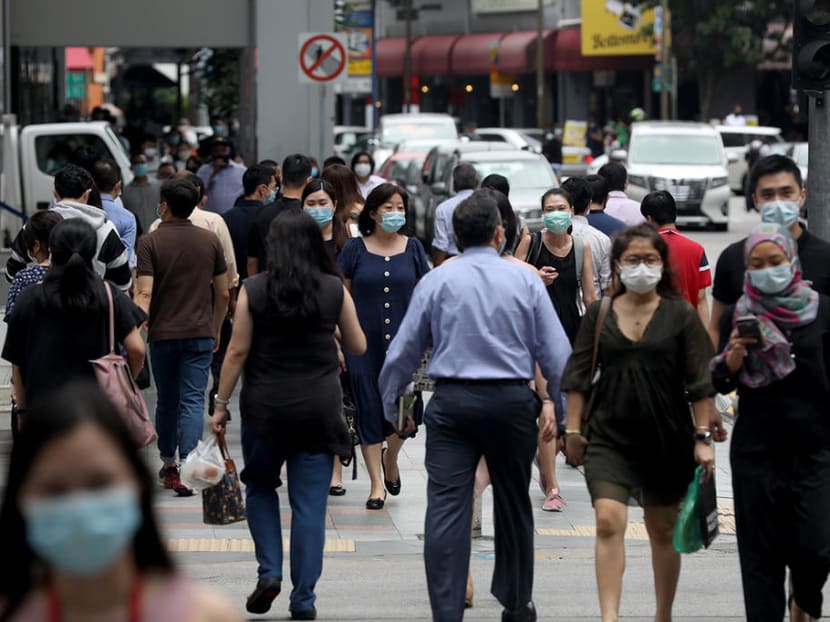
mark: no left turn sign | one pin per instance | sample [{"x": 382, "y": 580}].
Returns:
[{"x": 322, "y": 58}]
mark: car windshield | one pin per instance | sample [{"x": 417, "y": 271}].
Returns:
[
  {"x": 393, "y": 134},
  {"x": 520, "y": 173},
  {"x": 399, "y": 169},
  {"x": 676, "y": 149}
]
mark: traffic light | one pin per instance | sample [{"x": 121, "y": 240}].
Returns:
[{"x": 811, "y": 45}]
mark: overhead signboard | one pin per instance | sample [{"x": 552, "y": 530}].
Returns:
[
  {"x": 322, "y": 57},
  {"x": 505, "y": 6},
  {"x": 357, "y": 22},
  {"x": 616, "y": 28}
]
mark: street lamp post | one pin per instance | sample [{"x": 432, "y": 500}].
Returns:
[{"x": 540, "y": 67}]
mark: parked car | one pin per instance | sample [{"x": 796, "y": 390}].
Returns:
[
  {"x": 737, "y": 140},
  {"x": 520, "y": 139},
  {"x": 529, "y": 175},
  {"x": 396, "y": 128},
  {"x": 403, "y": 168},
  {"x": 346, "y": 137},
  {"x": 688, "y": 160}
]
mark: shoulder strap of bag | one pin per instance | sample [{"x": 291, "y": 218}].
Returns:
[
  {"x": 535, "y": 248},
  {"x": 579, "y": 258},
  {"x": 111, "y": 314},
  {"x": 604, "y": 306}
]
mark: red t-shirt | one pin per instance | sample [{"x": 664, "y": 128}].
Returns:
[{"x": 691, "y": 267}]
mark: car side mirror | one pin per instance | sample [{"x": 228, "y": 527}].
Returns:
[
  {"x": 439, "y": 187},
  {"x": 619, "y": 155},
  {"x": 732, "y": 158}
]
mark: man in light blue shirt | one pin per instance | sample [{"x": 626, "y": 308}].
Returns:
[
  {"x": 222, "y": 177},
  {"x": 489, "y": 322},
  {"x": 464, "y": 181},
  {"x": 107, "y": 177}
]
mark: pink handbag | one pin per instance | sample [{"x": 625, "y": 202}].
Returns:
[{"x": 117, "y": 382}]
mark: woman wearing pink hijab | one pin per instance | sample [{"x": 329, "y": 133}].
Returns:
[{"x": 775, "y": 350}]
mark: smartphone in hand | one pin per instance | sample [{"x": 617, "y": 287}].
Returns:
[{"x": 749, "y": 327}]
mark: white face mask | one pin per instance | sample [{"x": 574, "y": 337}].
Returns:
[
  {"x": 641, "y": 278},
  {"x": 363, "y": 169}
]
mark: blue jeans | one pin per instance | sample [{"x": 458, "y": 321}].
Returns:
[
  {"x": 180, "y": 369},
  {"x": 309, "y": 476}
]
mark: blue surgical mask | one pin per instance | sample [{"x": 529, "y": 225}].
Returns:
[
  {"x": 314, "y": 172},
  {"x": 502, "y": 247},
  {"x": 140, "y": 170},
  {"x": 392, "y": 221},
  {"x": 83, "y": 533},
  {"x": 323, "y": 215},
  {"x": 772, "y": 280},
  {"x": 272, "y": 197},
  {"x": 557, "y": 222},
  {"x": 784, "y": 213}
]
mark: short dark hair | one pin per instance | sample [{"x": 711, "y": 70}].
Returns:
[
  {"x": 622, "y": 240},
  {"x": 195, "y": 180},
  {"x": 170, "y": 164},
  {"x": 269, "y": 162},
  {"x": 377, "y": 197},
  {"x": 333, "y": 160},
  {"x": 180, "y": 195},
  {"x": 660, "y": 206},
  {"x": 497, "y": 182},
  {"x": 557, "y": 192},
  {"x": 360, "y": 154},
  {"x": 39, "y": 226},
  {"x": 256, "y": 176},
  {"x": 464, "y": 177},
  {"x": 106, "y": 174},
  {"x": 508, "y": 218},
  {"x": 475, "y": 219},
  {"x": 615, "y": 175},
  {"x": 598, "y": 187},
  {"x": 771, "y": 165},
  {"x": 72, "y": 181},
  {"x": 580, "y": 193},
  {"x": 296, "y": 169}
]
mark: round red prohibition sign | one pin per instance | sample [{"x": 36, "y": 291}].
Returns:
[{"x": 311, "y": 63}]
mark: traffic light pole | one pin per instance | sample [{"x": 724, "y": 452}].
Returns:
[{"x": 818, "y": 193}]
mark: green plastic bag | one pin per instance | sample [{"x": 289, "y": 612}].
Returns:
[{"x": 688, "y": 536}]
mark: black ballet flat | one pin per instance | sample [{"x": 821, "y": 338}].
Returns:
[
  {"x": 337, "y": 491},
  {"x": 376, "y": 504},
  {"x": 394, "y": 488}
]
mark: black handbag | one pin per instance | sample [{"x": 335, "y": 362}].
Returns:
[
  {"x": 350, "y": 415},
  {"x": 222, "y": 504}
]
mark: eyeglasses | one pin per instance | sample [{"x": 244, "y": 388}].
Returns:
[{"x": 632, "y": 261}]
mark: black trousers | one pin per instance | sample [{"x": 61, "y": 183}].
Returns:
[
  {"x": 463, "y": 423},
  {"x": 782, "y": 513}
]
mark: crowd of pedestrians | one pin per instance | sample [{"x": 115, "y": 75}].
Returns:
[{"x": 592, "y": 337}]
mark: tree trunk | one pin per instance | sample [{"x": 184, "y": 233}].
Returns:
[{"x": 707, "y": 83}]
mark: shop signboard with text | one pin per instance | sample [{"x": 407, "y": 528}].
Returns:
[
  {"x": 358, "y": 26},
  {"x": 617, "y": 28}
]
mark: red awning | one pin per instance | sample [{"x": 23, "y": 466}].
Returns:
[
  {"x": 566, "y": 55},
  {"x": 471, "y": 53},
  {"x": 389, "y": 54},
  {"x": 516, "y": 47},
  {"x": 78, "y": 59},
  {"x": 431, "y": 55}
]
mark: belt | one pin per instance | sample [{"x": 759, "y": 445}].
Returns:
[{"x": 483, "y": 382}]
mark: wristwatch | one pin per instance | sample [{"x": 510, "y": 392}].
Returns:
[
  {"x": 219, "y": 400},
  {"x": 703, "y": 437}
]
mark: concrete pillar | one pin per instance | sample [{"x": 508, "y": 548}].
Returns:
[{"x": 289, "y": 112}]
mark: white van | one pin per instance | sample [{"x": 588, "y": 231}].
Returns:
[
  {"x": 688, "y": 160},
  {"x": 31, "y": 157},
  {"x": 421, "y": 126},
  {"x": 736, "y": 140}
]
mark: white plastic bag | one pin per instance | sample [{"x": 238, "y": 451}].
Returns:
[{"x": 204, "y": 466}]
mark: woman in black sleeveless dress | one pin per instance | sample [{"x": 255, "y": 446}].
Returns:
[{"x": 283, "y": 337}]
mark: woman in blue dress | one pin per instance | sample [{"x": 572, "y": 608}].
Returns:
[{"x": 381, "y": 270}]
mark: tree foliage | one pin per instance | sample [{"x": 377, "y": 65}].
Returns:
[
  {"x": 221, "y": 76},
  {"x": 712, "y": 38}
]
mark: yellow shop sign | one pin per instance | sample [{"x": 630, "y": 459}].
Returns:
[{"x": 617, "y": 28}]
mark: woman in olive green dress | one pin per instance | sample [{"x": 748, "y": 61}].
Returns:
[{"x": 640, "y": 443}]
